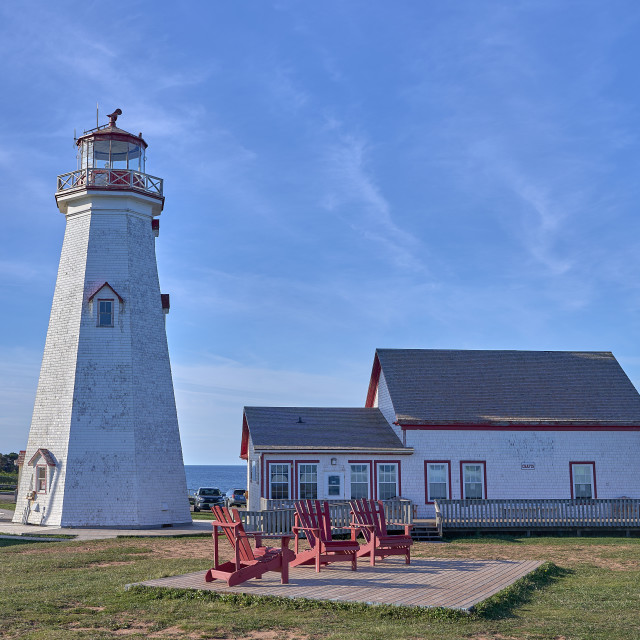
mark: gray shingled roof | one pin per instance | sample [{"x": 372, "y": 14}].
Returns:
[
  {"x": 433, "y": 386},
  {"x": 321, "y": 428}
]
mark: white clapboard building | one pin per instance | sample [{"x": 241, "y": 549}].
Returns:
[
  {"x": 457, "y": 424},
  {"x": 104, "y": 447}
]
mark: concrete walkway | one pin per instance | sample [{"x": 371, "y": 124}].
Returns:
[{"x": 9, "y": 529}]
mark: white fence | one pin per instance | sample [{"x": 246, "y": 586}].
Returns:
[
  {"x": 623, "y": 513},
  {"x": 280, "y": 517}
]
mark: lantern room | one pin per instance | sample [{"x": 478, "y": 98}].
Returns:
[
  {"x": 111, "y": 150},
  {"x": 109, "y": 147},
  {"x": 110, "y": 158}
]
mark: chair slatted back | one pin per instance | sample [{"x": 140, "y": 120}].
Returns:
[
  {"x": 314, "y": 514},
  {"x": 224, "y": 515},
  {"x": 369, "y": 512}
]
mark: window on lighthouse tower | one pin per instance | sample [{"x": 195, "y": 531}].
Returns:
[{"x": 105, "y": 313}]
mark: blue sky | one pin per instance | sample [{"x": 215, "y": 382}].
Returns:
[{"x": 339, "y": 176}]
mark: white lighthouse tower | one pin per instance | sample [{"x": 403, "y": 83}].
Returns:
[{"x": 104, "y": 447}]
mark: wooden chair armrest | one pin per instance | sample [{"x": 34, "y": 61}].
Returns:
[
  {"x": 317, "y": 529},
  {"x": 228, "y": 525},
  {"x": 400, "y": 524},
  {"x": 355, "y": 525}
]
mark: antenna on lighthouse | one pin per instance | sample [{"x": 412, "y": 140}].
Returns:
[{"x": 97, "y": 116}]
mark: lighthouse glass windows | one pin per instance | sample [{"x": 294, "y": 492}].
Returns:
[
  {"x": 101, "y": 153},
  {"x": 105, "y": 313}
]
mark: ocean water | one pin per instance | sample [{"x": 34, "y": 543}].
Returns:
[{"x": 222, "y": 476}]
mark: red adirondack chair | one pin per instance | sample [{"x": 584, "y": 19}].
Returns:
[
  {"x": 248, "y": 562},
  {"x": 313, "y": 518},
  {"x": 368, "y": 516}
]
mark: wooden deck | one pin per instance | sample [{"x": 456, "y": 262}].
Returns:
[{"x": 454, "y": 584}]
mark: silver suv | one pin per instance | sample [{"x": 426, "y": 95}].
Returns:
[{"x": 235, "y": 498}]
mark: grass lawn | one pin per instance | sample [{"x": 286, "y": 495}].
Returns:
[
  {"x": 202, "y": 515},
  {"x": 76, "y": 590}
]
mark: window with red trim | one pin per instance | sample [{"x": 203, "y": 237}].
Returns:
[
  {"x": 387, "y": 480},
  {"x": 472, "y": 476},
  {"x": 279, "y": 481},
  {"x": 437, "y": 480},
  {"x": 583, "y": 480},
  {"x": 308, "y": 481},
  {"x": 360, "y": 473}
]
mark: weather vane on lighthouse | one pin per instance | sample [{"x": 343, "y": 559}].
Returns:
[
  {"x": 113, "y": 117},
  {"x": 104, "y": 445}
]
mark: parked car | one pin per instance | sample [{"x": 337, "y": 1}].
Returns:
[
  {"x": 207, "y": 497},
  {"x": 236, "y": 498}
]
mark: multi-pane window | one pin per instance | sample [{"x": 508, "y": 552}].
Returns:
[
  {"x": 473, "y": 480},
  {"x": 308, "y": 479},
  {"x": 437, "y": 481},
  {"x": 105, "y": 313},
  {"x": 334, "y": 485},
  {"x": 583, "y": 482},
  {"x": 279, "y": 481},
  {"x": 387, "y": 481},
  {"x": 359, "y": 481},
  {"x": 41, "y": 479}
]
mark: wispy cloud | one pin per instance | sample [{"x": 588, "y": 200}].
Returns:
[
  {"x": 540, "y": 205},
  {"x": 354, "y": 195}
]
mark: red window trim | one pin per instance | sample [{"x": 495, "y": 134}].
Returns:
[
  {"x": 297, "y": 482},
  {"x": 593, "y": 472},
  {"x": 484, "y": 467},
  {"x": 426, "y": 478},
  {"x": 371, "y": 483},
  {"x": 268, "y": 463},
  {"x": 262, "y": 475},
  {"x": 375, "y": 476},
  {"x": 44, "y": 491}
]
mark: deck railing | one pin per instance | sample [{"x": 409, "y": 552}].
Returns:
[
  {"x": 559, "y": 513},
  {"x": 110, "y": 179},
  {"x": 280, "y": 518}
]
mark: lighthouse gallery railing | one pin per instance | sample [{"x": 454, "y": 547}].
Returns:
[{"x": 110, "y": 179}]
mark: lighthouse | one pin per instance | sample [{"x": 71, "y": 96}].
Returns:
[{"x": 104, "y": 446}]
